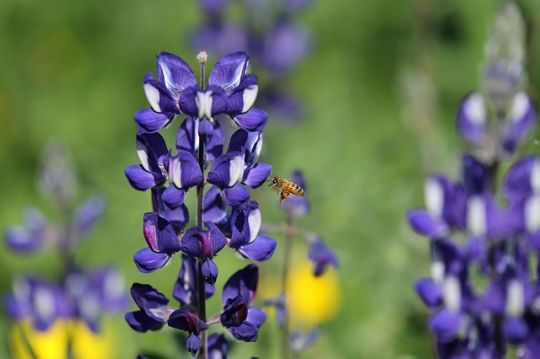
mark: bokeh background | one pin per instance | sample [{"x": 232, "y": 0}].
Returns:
[{"x": 381, "y": 87}]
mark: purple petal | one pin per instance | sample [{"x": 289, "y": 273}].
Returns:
[
  {"x": 21, "y": 240},
  {"x": 253, "y": 120},
  {"x": 147, "y": 297},
  {"x": 88, "y": 214},
  {"x": 429, "y": 292},
  {"x": 261, "y": 249},
  {"x": 243, "y": 282},
  {"x": 217, "y": 238},
  {"x": 522, "y": 179},
  {"x": 214, "y": 206},
  {"x": 191, "y": 242},
  {"x": 229, "y": 70},
  {"x": 160, "y": 234},
  {"x": 245, "y": 223},
  {"x": 209, "y": 270},
  {"x": 184, "y": 320},
  {"x": 187, "y": 137},
  {"x": 150, "y": 121},
  {"x": 159, "y": 97},
  {"x": 140, "y": 179},
  {"x": 446, "y": 325},
  {"x": 142, "y": 323},
  {"x": 477, "y": 177},
  {"x": 213, "y": 137},
  {"x": 472, "y": 117},
  {"x": 218, "y": 347},
  {"x": 322, "y": 256},
  {"x": 193, "y": 343},
  {"x": 236, "y": 195},
  {"x": 173, "y": 196},
  {"x": 256, "y": 175},
  {"x": 515, "y": 330},
  {"x": 188, "y": 103},
  {"x": 152, "y": 151},
  {"x": 174, "y": 73},
  {"x": 148, "y": 261},
  {"x": 227, "y": 170},
  {"x": 244, "y": 96},
  {"x": 522, "y": 119},
  {"x": 184, "y": 170},
  {"x": 248, "y": 331},
  {"x": 425, "y": 224}
]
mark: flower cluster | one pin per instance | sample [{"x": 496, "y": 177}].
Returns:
[
  {"x": 482, "y": 292},
  {"x": 268, "y": 31},
  {"x": 320, "y": 255},
  {"x": 225, "y": 214},
  {"x": 79, "y": 294}
]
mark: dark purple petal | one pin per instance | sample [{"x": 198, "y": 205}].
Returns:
[
  {"x": 174, "y": 73},
  {"x": 253, "y": 120},
  {"x": 191, "y": 242},
  {"x": 515, "y": 330},
  {"x": 141, "y": 323},
  {"x": 214, "y": 206},
  {"x": 149, "y": 300},
  {"x": 472, "y": 117},
  {"x": 140, "y": 179},
  {"x": 217, "y": 238},
  {"x": 88, "y": 214},
  {"x": 188, "y": 103},
  {"x": 150, "y": 121},
  {"x": 173, "y": 196},
  {"x": 256, "y": 175},
  {"x": 209, "y": 270},
  {"x": 213, "y": 137},
  {"x": 243, "y": 282},
  {"x": 261, "y": 249},
  {"x": 477, "y": 177},
  {"x": 429, "y": 292},
  {"x": 159, "y": 97},
  {"x": 236, "y": 195},
  {"x": 152, "y": 151},
  {"x": 522, "y": 119},
  {"x": 244, "y": 96},
  {"x": 425, "y": 224},
  {"x": 249, "y": 330},
  {"x": 522, "y": 179},
  {"x": 160, "y": 234},
  {"x": 187, "y": 137},
  {"x": 234, "y": 312},
  {"x": 446, "y": 325},
  {"x": 227, "y": 170},
  {"x": 184, "y": 170},
  {"x": 148, "y": 261},
  {"x": 322, "y": 256},
  {"x": 185, "y": 289},
  {"x": 229, "y": 71},
  {"x": 184, "y": 320}
]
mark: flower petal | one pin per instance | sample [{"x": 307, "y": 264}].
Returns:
[
  {"x": 243, "y": 282},
  {"x": 522, "y": 119},
  {"x": 261, "y": 249},
  {"x": 429, "y": 292},
  {"x": 229, "y": 71},
  {"x": 256, "y": 175},
  {"x": 174, "y": 73},
  {"x": 184, "y": 170},
  {"x": 522, "y": 179},
  {"x": 227, "y": 170},
  {"x": 142, "y": 323},
  {"x": 236, "y": 195},
  {"x": 425, "y": 224},
  {"x": 187, "y": 137},
  {"x": 214, "y": 206},
  {"x": 472, "y": 117},
  {"x": 173, "y": 196},
  {"x": 253, "y": 120},
  {"x": 140, "y": 179},
  {"x": 160, "y": 234},
  {"x": 148, "y": 261},
  {"x": 150, "y": 121},
  {"x": 244, "y": 96},
  {"x": 159, "y": 97}
]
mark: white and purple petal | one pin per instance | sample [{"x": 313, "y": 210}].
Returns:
[
  {"x": 174, "y": 73},
  {"x": 187, "y": 137},
  {"x": 243, "y": 97},
  {"x": 522, "y": 179},
  {"x": 159, "y": 234},
  {"x": 261, "y": 249},
  {"x": 184, "y": 170},
  {"x": 229, "y": 71},
  {"x": 227, "y": 170},
  {"x": 472, "y": 117},
  {"x": 522, "y": 120},
  {"x": 159, "y": 97}
]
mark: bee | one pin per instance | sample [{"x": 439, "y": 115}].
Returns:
[{"x": 286, "y": 188}]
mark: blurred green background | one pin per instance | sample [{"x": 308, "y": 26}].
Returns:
[{"x": 381, "y": 87}]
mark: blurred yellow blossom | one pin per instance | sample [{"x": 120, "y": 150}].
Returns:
[{"x": 52, "y": 344}]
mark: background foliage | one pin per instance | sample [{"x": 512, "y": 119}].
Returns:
[{"x": 72, "y": 71}]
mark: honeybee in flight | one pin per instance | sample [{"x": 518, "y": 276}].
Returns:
[{"x": 286, "y": 188}]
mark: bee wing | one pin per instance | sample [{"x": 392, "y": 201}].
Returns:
[{"x": 284, "y": 195}]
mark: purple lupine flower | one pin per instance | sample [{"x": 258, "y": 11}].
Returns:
[
  {"x": 242, "y": 320},
  {"x": 88, "y": 214},
  {"x": 162, "y": 243},
  {"x": 30, "y": 238},
  {"x": 245, "y": 237},
  {"x": 152, "y": 151},
  {"x": 153, "y": 310},
  {"x": 204, "y": 245},
  {"x": 184, "y": 320},
  {"x": 41, "y": 302},
  {"x": 322, "y": 256}
]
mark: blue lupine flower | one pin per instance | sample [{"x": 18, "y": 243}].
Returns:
[
  {"x": 153, "y": 310},
  {"x": 218, "y": 347},
  {"x": 185, "y": 320},
  {"x": 321, "y": 256},
  {"x": 242, "y": 320},
  {"x": 30, "y": 238},
  {"x": 186, "y": 286}
]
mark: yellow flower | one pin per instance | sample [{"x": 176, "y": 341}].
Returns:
[
  {"x": 313, "y": 300},
  {"x": 53, "y": 343}
]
